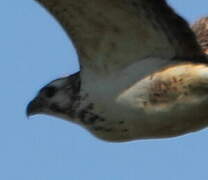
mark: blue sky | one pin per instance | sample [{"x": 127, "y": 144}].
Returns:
[{"x": 35, "y": 50}]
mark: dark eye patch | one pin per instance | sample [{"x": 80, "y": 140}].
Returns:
[{"x": 49, "y": 91}]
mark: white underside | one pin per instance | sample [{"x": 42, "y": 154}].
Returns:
[{"x": 125, "y": 96}]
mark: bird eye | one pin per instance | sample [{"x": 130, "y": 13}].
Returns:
[{"x": 49, "y": 91}]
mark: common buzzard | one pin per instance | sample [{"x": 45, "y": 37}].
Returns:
[{"x": 142, "y": 72}]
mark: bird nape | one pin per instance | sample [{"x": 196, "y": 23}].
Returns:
[{"x": 144, "y": 72}]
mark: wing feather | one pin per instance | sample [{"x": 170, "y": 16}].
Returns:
[
  {"x": 201, "y": 30},
  {"x": 115, "y": 33}
]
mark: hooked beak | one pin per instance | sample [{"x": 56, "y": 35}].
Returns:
[{"x": 34, "y": 107}]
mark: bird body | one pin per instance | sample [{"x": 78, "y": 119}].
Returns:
[
  {"x": 163, "y": 104},
  {"x": 143, "y": 74}
]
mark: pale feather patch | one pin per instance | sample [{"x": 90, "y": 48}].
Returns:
[{"x": 178, "y": 84}]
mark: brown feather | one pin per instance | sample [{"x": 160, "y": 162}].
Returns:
[{"x": 111, "y": 34}]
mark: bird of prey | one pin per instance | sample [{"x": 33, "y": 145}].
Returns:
[{"x": 142, "y": 72}]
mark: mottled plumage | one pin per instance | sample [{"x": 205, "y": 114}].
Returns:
[
  {"x": 142, "y": 75},
  {"x": 201, "y": 30}
]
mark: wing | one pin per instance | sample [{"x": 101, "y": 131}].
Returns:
[
  {"x": 201, "y": 30},
  {"x": 111, "y": 34}
]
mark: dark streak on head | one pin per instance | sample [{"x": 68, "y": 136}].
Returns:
[{"x": 72, "y": 89}]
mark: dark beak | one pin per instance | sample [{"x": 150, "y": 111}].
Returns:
[{"x": 34, "y": 107}]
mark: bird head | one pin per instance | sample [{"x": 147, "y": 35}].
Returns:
[{"x": 57, "y": 97}]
